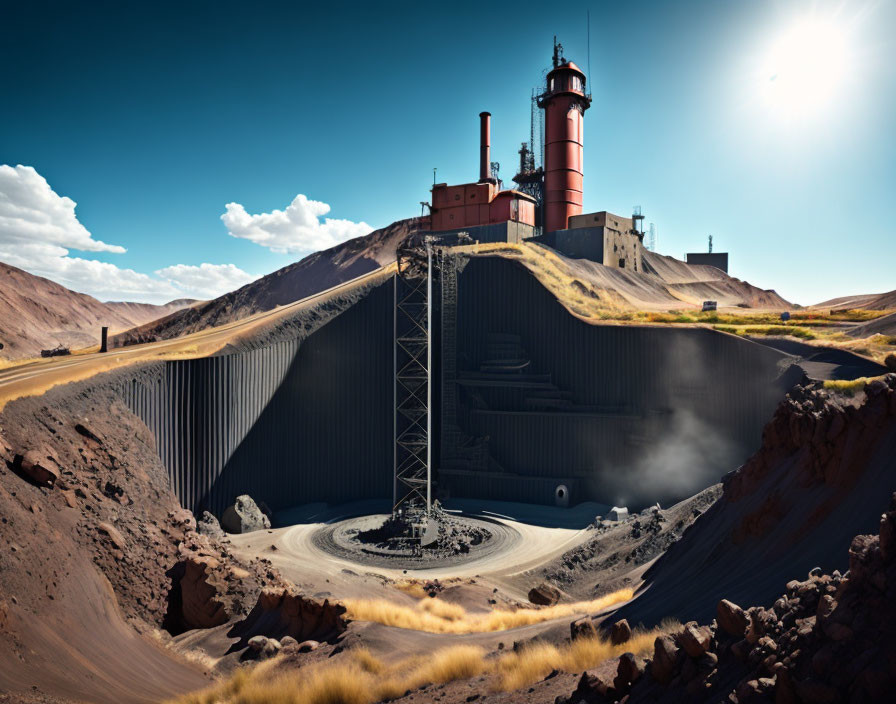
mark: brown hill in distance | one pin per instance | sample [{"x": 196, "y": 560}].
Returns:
[
  {"x": 868, "y": 301},
  {"x": 36, "y": 314},
  {"x": 314, "y": 273},
  {"x": 666, "y": 283}
]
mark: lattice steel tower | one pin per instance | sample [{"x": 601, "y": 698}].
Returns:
[{"x": 412, "y": 359}]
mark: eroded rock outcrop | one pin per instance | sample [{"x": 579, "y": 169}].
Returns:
[
  {"x": 284, "y": 612},
  {"x": 829, "y": 638}
]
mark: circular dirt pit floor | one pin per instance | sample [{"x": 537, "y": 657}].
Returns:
[{"x": 341, "y": 540}]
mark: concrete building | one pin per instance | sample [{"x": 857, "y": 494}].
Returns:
[
  {"x": 717, "y": 259},
  {"x": 603, "y": 237}
]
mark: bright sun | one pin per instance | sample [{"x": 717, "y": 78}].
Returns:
[{"x": 805, "y": 69}]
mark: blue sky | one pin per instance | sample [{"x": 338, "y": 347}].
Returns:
[{"x": 152, "y": 117}]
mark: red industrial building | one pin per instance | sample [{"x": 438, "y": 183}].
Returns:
[
  {"x": 468, "y": 205},
  {"x": 564, "y": 103},
  {"x": 548, "y": 207},
  {"x": 481, "y": 203}
]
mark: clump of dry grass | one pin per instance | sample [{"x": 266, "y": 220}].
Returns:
[
  {"x": 531, "y": 664},
  {"x": 436, "y": 616},
  {"x": 358, "y": 678},
  {"x": 849, "y": 387}
]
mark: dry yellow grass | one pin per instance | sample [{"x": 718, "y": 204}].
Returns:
[
  {"x": 849, "y": 387},
  {"x": 361, "y": 678},
  {"x": 436, "y": 616},
  {"x": 358, "y": 678},
  {"x": 520, "y": 669}
]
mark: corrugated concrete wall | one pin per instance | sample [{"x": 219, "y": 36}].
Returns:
[
  {"x": 287, "y": 424},
  {"x": 659, "y": 412},
  {"x": 295, "y": 423}
]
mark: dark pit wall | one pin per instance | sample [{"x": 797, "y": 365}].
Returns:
[
  {"x": 648, "y": 413},
  {"x": 288, "y": 424}
]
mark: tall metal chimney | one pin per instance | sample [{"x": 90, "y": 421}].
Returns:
[{"x": 485, "y": 145}]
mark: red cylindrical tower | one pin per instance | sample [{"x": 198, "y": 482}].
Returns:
[
  {"x": 564, "y": 102},
  {"x": 485, "y": 146}
]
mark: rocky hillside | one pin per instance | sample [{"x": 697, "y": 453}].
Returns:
[
  {"x": 36, "y": 314},
  {"x": 96, "y": 556},
  {"x": 824, "y": 473},
  {"x": 314, "y": 273},
  {"x": 828, "y": 638}
]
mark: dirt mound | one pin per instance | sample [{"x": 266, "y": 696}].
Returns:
[
  {"x": 314, "y": 273},
  {"x": 868, "y": 301},
  {"x": 84, "y": 558},
  {"x": 36, "y": 314},
  {"x": 699, "y": 283},
  {"x": 665, "y": 284},
  {"x": 824, "y": 465},
  {"x": 826, "y": 639},
  {"x": 605, "y": 562},
  {"x": 885, "y": 325}
]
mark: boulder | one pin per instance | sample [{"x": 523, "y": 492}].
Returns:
[
  {"x": 695, "y": 639},
  {"x": 620, "y": 633},
  {"x": 208, "y": 525},
  {"x": 36, "y": 466},
  {"x": 544, "y": 594},
  {"x": 731, "y": 618},
  {"x": 306, "y": 646},
  {"x": 263, "y": 648},
  {"x": 665, "y": 657},
  {"x": 244, "y": 516},
  {"x": 582, "y": 628},
  {"x": 890, "y": 362},
  {"x": 593, "y": 686},
  {"x": 628, "y": 672}
]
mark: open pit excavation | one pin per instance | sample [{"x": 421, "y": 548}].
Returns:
[{"x": 502, "y": 452}]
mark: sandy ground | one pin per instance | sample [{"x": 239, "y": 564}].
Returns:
[{"x": 295, "y": 553}]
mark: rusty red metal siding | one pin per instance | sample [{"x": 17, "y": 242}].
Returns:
[{"x": 564, "y": 106}]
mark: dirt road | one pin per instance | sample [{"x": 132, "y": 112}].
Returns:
[{"x": 37, "y": 376}]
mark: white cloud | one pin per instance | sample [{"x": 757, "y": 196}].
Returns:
[
  {"x": 206, "y": 280},
  {"x": 31, "y": 211},
  {"x": 296, "y": 229},
  {"x": 38, "y": 227}
]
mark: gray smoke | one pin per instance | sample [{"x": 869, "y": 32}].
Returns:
[{"x": 689, "y": 456}]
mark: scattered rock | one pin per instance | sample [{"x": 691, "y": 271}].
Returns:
[
  {"x": 544, "y": 594},
  {"x": 263, "y": 648},
  {"x": 114, "y": 534},
  {"x": 208, "y": 525},
  {"x": 35, "y": 466},
  {"x": 695, "y": 639},
  {"x": 244, "y": 516},
  {"x": 731, "y": 618},
  {"x": 582, "y": 628},
  {"x": 665, "y": 656},
  {"x": 621, "y": 632},
  {"x": 306, "y": 646}
]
